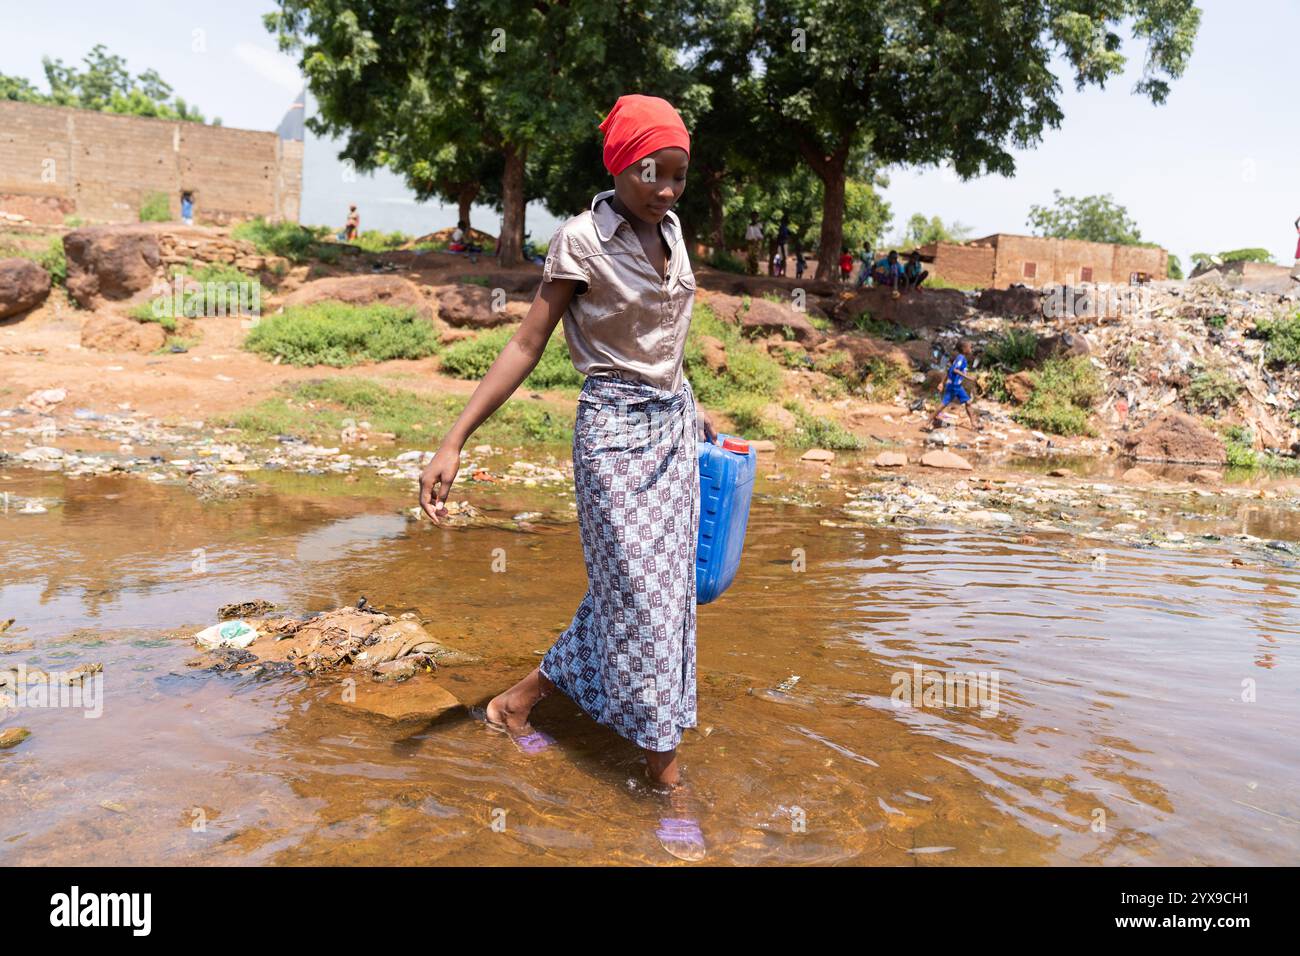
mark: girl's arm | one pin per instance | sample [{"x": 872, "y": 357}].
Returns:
[{"x": 519, "y": 357}]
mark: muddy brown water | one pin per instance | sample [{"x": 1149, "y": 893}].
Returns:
[{"x": 1145, "y": 710}]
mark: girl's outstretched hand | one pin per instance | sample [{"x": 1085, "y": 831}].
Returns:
[
  {"x": 436, "y": 480},
  {"x": 710, "y": 435}
]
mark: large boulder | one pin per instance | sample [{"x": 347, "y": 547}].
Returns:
[
  {"x": 764, "y": 316},
  {"x": 23, "y": 285},
  {"x": 106, "y": 332},
  {"x": 863, "y": 349},
  {"x": 1020, "y": 386},
  {"x": 917, "y": 309},
  {"x": 1064, "y": 345},
  {"x": 1018, "y": 301},
  {"x": 1177, "y": 437},
  {"x": 362, "y": 290},
  {"x": 472, "y": 306},
  {"x": 111, "y": 263}
]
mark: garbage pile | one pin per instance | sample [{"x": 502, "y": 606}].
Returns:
[
  {"x": 1193, "y": 350},
  {"x": 357, "y": 639}
]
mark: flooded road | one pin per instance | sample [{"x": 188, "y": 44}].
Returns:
[{"x": 1143, "y": 701}]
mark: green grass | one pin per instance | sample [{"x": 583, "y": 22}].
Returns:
[
  {"x": 1064, "y": 390},
  {"x": 1239, "y": 442},
  {"x": 332, "y": 333},
  {"x": 50, "y": 258},
  {"x": 813, "y": 432},
  {"x": 939, "y": 282},
  {"x": 155, "y": 207},
  {"x": 1282, "y": 336},
  {"x": 373, "y": 240},
  {"x": 288, "y": 239},
  {"x": 225, "y": 291},
  {"x": 214, "y": 272},
  {"x": 145, "y": 312},
  {"x": 471, "y": 358},
  {"x": 751, "y": 374},
  {"x": 880, "y": 329},
  {"x": 415, "y": 419}
]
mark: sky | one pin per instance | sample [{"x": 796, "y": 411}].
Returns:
[{"x": 1217, "y": 167}]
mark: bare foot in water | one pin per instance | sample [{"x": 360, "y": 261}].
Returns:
[
  {"x": 511, "y": 708},
  {"x": 679, "y": 828}
]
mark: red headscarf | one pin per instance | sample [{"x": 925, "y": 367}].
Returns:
[{"x": 639, "y": 125}]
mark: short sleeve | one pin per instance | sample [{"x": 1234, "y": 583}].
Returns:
[{"x": 563, "y": 262}]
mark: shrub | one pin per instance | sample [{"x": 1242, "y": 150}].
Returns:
[
  {"x": 1012, "y": 350},
  {"x": 155, "y": 207},
  {"x": 1213, "y": 387},
  {"x": 288, "y": 239},
  {"x": 880, "y": 329},
  {"x": 332, "y": 333},
  {"x": 813, "y": 432},
  {"x": 1063, "y": 391},
  {"x": 1239, "y": 443},
  {"x": 471, "y": 358},
  {"x": 1282, "y": 336},
  {"x": 374, "y": 240}
]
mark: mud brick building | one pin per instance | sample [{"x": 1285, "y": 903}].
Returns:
[
  {"x": 1002, "y": 260},
  {"x": 57, "y": 162}
]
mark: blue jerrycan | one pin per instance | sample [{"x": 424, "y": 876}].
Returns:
[{"x": 726, "y": 485}]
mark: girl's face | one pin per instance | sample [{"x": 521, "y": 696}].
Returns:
[{"x": 651, "y": 185}]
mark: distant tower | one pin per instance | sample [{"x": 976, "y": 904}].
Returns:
[{"x": 291, "y": 126}]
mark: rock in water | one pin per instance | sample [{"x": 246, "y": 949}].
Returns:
[
  {"x": 890, "y": 459},
  {"x": 945, "y": 459}
]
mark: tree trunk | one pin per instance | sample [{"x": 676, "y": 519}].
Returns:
[
  {"x": 465, "y": 196},
  {"x": 510, "y": 244},
  {"x": 830, "y": 170},
  {"x": 716, "y": 222},
  {"x": 832, "y": 240}
]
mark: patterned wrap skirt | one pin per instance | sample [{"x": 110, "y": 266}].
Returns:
[{"x": 628, "y": 657}]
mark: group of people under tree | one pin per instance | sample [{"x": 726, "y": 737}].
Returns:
[{"x": 887, "y": 271}]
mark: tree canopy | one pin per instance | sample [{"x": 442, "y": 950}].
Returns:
[
  {"x": 771, "y": 89},
  {"x": 104, "y": 85},
  {"x": 1090, "y": 218}
]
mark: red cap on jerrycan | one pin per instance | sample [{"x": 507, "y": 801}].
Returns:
[{"x": 736, "y": 445}]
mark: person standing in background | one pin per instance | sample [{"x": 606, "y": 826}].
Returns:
[
  {"x": 1295, "y": 271},
  {"x": 187, "y": 208},
  {"x": 753, "y": 242},
  {"x": 353, "y": 224}
]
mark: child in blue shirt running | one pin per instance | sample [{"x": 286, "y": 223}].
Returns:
[{"x": 953, "y": 390}]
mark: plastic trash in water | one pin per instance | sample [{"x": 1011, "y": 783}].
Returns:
[
  {"x": 726, "y": 486},
  {"x": 227, "y": 634}
]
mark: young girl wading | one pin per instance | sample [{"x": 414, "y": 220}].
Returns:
[{"x": 619, "y": 276}]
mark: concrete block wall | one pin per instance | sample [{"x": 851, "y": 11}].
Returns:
[{"x": 56, "y": 161}]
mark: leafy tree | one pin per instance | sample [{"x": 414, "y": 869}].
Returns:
[
  {"x": 403, "y": 80},
  {"x": 921, "y": 232},
  {"x": 105, "y": 85},
  {"x": 1089, "y": 218},
  {"x": 1174, "y": 267},
  {"x": 928, "y": 81}
]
